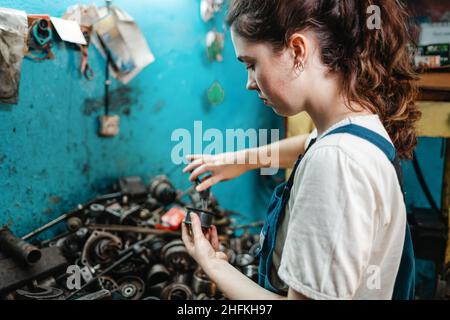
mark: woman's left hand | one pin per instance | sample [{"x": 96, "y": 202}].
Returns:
[{"x": 203, "y": 247}]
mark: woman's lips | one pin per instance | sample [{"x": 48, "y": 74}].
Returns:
[{"x": 266, "y": 102}]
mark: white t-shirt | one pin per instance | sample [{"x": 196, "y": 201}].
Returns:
[{"x": 343, "y": 232}]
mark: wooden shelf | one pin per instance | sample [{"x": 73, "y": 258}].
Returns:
[
  {"x": 435, "y": 81},
  {"x": 434, "y": 87}
]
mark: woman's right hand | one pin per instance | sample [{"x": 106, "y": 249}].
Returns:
[{"x": 222, "y": 167}]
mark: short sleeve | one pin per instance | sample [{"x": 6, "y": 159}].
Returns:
[{"x": 331, "y": 226}]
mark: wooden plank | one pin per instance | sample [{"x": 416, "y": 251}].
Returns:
[
  {"x": 299, "y": 124},
  {"x": 435, "y": 81},
  {"x": 435, "y": 121}
]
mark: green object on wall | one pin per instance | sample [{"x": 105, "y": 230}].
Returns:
[{"x": 216, "y": 94}]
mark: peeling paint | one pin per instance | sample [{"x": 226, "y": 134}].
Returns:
[
  {"x": 121, "y": 98},
  {"x": 159, "y": 106},
  {"x": 126, "y": 111},
  {"x": 68, "y": 159},
  {"x": 86, "y": 169},
  {"x": 54, "y": 199},
  {"x": 12, "y": 171}
]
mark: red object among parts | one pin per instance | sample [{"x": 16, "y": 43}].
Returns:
[{"x": 172, "y": 219}]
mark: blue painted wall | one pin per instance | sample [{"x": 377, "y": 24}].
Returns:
[
  {"x": 430, "y": 155},
  {"x": 51, "y": 158}
]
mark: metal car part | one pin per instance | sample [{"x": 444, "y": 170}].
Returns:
[
  {"x": 39, "y": 293},
  {"x": 244, "y": 259},
  {"x": 176, "y": 257},
  {"x": 177, "y": 291},
  {"x": 101, "y": 248},
  {"x": 157, "y": 274},
  {"x": 202, "y": 284},
  {"x": 17, "y": 248},
  {"x": 131, "y": 287}
]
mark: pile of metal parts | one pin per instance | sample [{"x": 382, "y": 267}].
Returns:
[{"x": 123, "y": 245}]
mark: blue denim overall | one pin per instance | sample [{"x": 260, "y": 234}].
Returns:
[{"x": 405, "y": 280}]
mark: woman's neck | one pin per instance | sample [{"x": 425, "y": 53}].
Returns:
[{"x": 325, "y": 116}]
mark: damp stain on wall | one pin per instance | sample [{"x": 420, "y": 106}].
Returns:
[{"x": 121, "y": 100}]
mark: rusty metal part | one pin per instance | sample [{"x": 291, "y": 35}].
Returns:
[
  {"x": 244, "y": 259},
  {"x": 231, "y": 256},
  {"x": 145, "y": 214},
  {"x": 105, "y": 271},
  {"x": 229, "y": 252},
  {"x": 156, "y": 290},
  {"x": 126, "y": 254},
  {"x": 254, "y": 249},
  {"x": 202, "y": 284},
  {"x": 100, "y": 248},
  {"x": 79, "y": 210},
  {"x": 206, "y": 217},
  {"x": 108, "y": 283},
  {"x": 128, "y": 213},
  {"x": 185, "y": 278},
  {"x": 125, "y": 228},
  {"x": 151, "y": 298},
  {"x": 251, "y": 271},
  {"x": 49, "y": 282},
  {"x": 162, "y": 190},
  {"x": 156, "y": 245},
  {"x": 131, "y": 287},
  {"x": 52, "y": 223},
  {"x": 203, "y": 296},
  {"x": 236, "y": 245},
  {"x": 96, "y": 210},
  {"x": 133, "y": 187},
  {"x": 74, "y": 224},
  {"x": 87, "y": 273},
  {"x": 98, "y": 295},
  {"x": 17, "y": 248},
  {"x": 151, "y": 203},
  {"x": 72, "y": 244},
  {"x": 176, "y": 257},
  {"x": 177, "y": 291},
  {"x": 157, "y": 274},
  {"x": 150, "y": 218},
  {"x": 39, "y": 293},
  {"x": 14, "y": 276},
  {"x": 115, "y": 210}
]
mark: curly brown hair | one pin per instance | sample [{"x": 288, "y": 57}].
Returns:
[{"x": 374, "y": 64}]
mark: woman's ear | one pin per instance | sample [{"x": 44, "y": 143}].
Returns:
[{"x": 299, "y": 48}]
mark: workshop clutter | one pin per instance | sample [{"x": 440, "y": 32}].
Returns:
[
  {"x": 125, "y": 245},
  {"x": 112, "y": 31}
]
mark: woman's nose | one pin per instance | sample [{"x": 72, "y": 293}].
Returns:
[{"x": 251, "y": 83}]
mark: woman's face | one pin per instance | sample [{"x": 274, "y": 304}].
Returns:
[{"x": 273, "y": 75}]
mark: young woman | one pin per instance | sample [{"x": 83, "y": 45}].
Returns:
[{"x": 336, "y": 230}]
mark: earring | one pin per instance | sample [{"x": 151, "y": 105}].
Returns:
[{"x": 300, "y": 66}]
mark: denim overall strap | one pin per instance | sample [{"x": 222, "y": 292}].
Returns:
[
  {"x": 269, "y": 231},
  {"x": 404, "y": 286}
]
